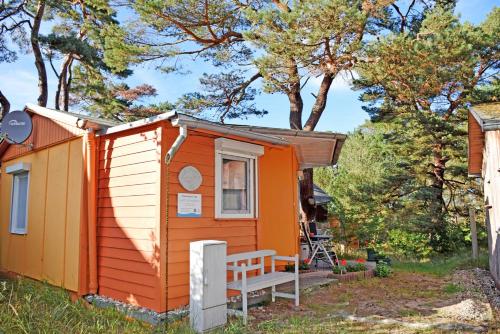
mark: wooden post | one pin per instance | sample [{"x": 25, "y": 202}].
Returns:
[{"x": 473, "y": 232}]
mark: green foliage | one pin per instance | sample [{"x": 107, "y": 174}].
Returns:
[
  {"x": 282, "y": 44},
  {"x": 401, "y": 183},
  {"x": 409, "y": 244},
  {"x": 355, "y": 267},
  {"x": 382, "y": 269}
]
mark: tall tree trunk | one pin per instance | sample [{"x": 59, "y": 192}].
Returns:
[
  {"x": 437, "y": 203},
  {"x": 67, "y": 88},
  {"x": 307, "y": 185},
  {"x": 320, "y": 103},
  {"x": 5, "y": 104},
  {"x": 39, "y": 63},
  {"x": 295, "y": 97},
  {"x": 62, "y": 84}
]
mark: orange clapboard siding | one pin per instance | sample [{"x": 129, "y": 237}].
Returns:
[
  {"x": 128, "y": 217},
  {"x": 126, "y": 222},
  {"x": 124, "y": 254},
  {"x": 134, "y": 169},
  {"x": 125, "y": 191},
  {"x": 277, "y": 191},
  {"x": 476, "y": 146},
  {"x": 139, "y": 147},
  {"x": 135, "y": 244},
  {"x": 132, "y": 277},
  {"x": 126, "y": 139}
]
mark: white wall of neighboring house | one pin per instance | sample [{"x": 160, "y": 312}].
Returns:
[{"x": 491, "y": 176}]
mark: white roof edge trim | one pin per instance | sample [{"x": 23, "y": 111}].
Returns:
[
  {"x": 136, "y": 124},
  {"x": 199, "y": 124},
  {"x": 52, "y": 114},
  {"x": 477, "y": 118}
]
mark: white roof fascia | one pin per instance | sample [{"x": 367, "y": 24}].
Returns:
[
  {"x": 223, "y": 129},
  {"x": 52, "y": 114},
  {"x": 136, "y": 124}
]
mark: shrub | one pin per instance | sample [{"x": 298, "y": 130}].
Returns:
[
  {"x": 383, "y": 269},
  {"x": 337, "y": 270},
  {"x": 356, "y": 267},
  {"x": 409, "y": 244}
]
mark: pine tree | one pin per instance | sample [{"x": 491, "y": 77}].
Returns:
[
  {"x": 281, "y": 44},
  {"x": 423, "y": 79}
]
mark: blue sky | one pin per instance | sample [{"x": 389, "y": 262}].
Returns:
[{"x": 18, "y": 81}]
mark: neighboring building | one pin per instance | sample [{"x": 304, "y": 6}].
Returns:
[
  {"x": 484, "y": 162},
  {"x": 93, "y": 206}
]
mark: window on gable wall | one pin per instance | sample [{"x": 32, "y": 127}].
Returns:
[
  {"x": 236, "y": 193},
  {"x": 19, "y": 198}
]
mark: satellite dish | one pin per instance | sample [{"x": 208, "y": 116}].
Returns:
[{"x": 16, "y": 127}]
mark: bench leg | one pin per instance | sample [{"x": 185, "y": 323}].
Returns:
[
  {"x": 245, "y": 307},
  {"x": 297, "y": 292},
  {"x": 273, "y": 290},
  {"x": 297, "y": 289}
]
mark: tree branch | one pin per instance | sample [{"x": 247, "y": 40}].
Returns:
[
  {"x": 240, "y": 92},
  {"x": 5, "y": 104}
]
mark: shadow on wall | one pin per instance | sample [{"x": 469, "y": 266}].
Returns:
[{"x": 127, "y": 229}]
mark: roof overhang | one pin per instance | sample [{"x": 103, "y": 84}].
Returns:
[
  {"x": 83, "y": 122},
  {"x": 487, "y": 116},
  {"x": 313, "y": 149}
]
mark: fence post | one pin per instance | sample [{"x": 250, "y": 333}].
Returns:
[{"x": 473, "y": 232}]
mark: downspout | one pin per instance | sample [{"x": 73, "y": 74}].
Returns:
[
  {"x": 168, "y": 159},
  {"x": 92, "y": 208},
  {"x": 177, "y": 144}
]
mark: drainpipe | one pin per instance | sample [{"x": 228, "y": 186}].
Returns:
[
  {"x": 91, "y": 209},
  {"x": 177, "y": 144}
]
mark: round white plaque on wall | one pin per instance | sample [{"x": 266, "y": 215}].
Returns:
[{"x": 190, "y": 178}]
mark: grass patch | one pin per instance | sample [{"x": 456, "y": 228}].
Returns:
[
  {"x": 441, "y": 266},
  {"x": 452, "y": 288},
  {"x": 27, "y": 306}
]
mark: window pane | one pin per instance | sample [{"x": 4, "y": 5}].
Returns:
[
  {"x": 19, "y": 202},
  {"x": 235, "y": 185}
]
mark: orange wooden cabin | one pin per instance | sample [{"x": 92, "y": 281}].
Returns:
[{"x": 107, "y": 212}]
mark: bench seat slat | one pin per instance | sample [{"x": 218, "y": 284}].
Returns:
[
  {"x": 250, "y": 255},
  {"x": 263, "y": 281}
]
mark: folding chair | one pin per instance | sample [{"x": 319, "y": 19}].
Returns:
[{"x": 318, "y": 246}]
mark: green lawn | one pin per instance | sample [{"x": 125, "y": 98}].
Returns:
[{"x": 442, "y": 266}]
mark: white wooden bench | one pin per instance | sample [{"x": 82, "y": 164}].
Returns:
[{"x": 255, "y": 261}]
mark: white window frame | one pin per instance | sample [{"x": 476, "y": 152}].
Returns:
[
  {"x": 227, "y": 148},
  {"x": 15, "y": 180}
]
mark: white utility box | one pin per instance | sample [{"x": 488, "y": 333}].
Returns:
[{"x": 207, "y": 284}]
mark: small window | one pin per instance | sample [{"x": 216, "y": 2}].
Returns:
[
  {"x": 235, "y": 185},
  {"x": 19, "y": 203},
  {"x": 236, "y": 179}
]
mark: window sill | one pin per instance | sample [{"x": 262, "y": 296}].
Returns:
[{"x": 239, "y": 219}]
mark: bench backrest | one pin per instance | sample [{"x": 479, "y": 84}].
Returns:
[{"x": 250, "y": 255}]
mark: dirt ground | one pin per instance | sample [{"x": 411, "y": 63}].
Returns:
[{"x": 403, "y": 303}]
